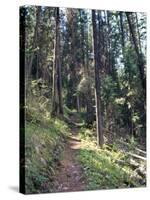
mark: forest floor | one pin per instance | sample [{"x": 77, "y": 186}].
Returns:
[
  {"x": 69, "y": 177},
  {"x": 84, "y": 166},
  {"x": 62, "y": 156}
]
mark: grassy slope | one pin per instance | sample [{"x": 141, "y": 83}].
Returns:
[
  {"x": 101, "y": 167},
  {"x": 44, "y": 145}
]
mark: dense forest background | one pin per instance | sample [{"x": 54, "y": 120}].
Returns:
[{"x": 85, "y": 73}]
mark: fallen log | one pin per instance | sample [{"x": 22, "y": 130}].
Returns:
[
  {"x": 140, "y": 170},
  {"x": 141, "y": 151},
  {"x": 136, "y": 149},
  {"x": 134, "y": 165},
  {"x": 137, "y": 156}
]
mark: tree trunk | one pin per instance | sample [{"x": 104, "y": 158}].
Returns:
[
  {"x": 85, "y": 64},
  {"x": 57, "y": 105},
  {"x": 140, "y": 59},
  {"x": 138, "y": 32},
  {"x": 34, "y": 45},
  {"x": 78, "y": 103},
  {"x": 72, "y": 82},
  {"x": 122, "y": 31},
  {"x": 128, "y": 71},
  {"x": 59, "y": 80},
  {"x": 100, "y": 139}
]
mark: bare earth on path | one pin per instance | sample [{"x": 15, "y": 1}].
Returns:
[{"x": 69, "y": 176}]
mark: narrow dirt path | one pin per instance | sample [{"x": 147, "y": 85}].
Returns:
[{"x": 69, "y": 177}]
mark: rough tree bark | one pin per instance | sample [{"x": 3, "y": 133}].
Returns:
[
  {"x": 100, "y": 139},
  {"x": 57, "y": 105}
]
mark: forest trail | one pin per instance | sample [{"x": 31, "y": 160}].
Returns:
[{"x": 69, "y": 176}]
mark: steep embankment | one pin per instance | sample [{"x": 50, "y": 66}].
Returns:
[{"x": 43, "y": 146}]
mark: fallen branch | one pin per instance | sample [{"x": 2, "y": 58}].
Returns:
[
  {"x": 140, "y": 170},
  {"x": 137, "y": 156}
]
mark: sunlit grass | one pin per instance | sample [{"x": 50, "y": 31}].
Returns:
[
  {"x": 100, "y": 165},
  {"x": 44, "y": 143},
  {"x": 43, "y": 147}
]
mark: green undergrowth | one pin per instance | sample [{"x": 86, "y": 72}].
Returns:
[
  {"x": 44, "y": 142},
  {"x": 43, "y": 147},
  {"x": 102, "y": 168}
]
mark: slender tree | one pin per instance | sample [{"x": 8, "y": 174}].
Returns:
[
  {"x": 100, "y": 139},
  {"x": 57, "y": 107},
  {"x": 140, "y": 58}
]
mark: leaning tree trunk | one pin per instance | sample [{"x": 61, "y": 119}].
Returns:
[
  {"x": 100, "y": 139},
  {"x": 57, "y": 106},
  {"x": 140, "y": 59}
]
